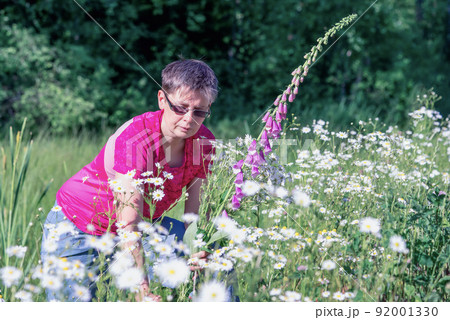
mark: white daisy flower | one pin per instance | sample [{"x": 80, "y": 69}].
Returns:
[
  {"x": 123, "y": 260},
  {"x": 328, "y": 265},
  {"x": 212, "y": 291},
  {"x": 370, "y": 225},
  {"x": 238, "y": 235},
  {"x": 130, "y": 279},
  {"x": 56, "y": 208},
  {"x": 279, "y": 265},
  {"x": 145, "y": 227},
  {"x": 338, "y": 296},
  {"x": 190, "y": 217},
  {"x": 398, "y": 244},
  {"x": 157, "y": 181},
  {"x": 225, "y": 224},
  {"x": 24, "y": 296},
  {"x": 158, "y": 195},
  {"x": 131, "y": 173},
  {"x": 17, "y": 251},
  {"x": 306, "y": 130},
  {"x": 198, "y": 243},
  {"x": 81, "y": 293},
  {"x": 275, "y": 292},
  {"x": 128, "y": 236},
  {"x": 10, "y": 276},
  {"x": 349, "y": 295},
  {"x": 103, "y": 244},
  {"x": 163, "y": 249},
  {"x": 147, "y": 173},
  {"x": 281, "y": 192},
  {"x": 292, "y": 296},
  {"x": 250, "y": 188},
  {"x": 168, "y": 175},
  {"x": 51, "y": 282},
  {"x": 301, "y": 198},
  {"x": 172, "y": 273}
]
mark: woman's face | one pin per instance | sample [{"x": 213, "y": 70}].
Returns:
[{"x": 178, "y": 126}]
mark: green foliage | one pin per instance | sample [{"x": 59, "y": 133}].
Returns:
[
  {"x": 16, "y": 216},
  {"x": 430, "y": 240},
  {"x": 52, "y": 49}
]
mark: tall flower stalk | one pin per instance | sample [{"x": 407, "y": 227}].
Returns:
[{"x": 261, "y": 147}]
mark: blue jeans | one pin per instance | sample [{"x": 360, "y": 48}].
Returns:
[{"x": 76, "y": 247}]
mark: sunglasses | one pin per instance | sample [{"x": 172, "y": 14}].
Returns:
[{"x": 182, "y": 111}]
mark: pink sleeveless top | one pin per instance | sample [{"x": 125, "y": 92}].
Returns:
[{"x": 86, "y": 198}]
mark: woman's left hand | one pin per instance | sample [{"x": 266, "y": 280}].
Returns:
[{"x": 201, "y": 256}]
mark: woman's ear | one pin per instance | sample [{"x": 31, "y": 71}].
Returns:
[{"x": 161, "y": 99}]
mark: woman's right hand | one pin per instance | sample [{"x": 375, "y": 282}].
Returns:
[{"x": 144, "y": 294}]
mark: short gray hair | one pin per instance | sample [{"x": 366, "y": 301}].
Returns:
[{"x": 191, "y": 74}]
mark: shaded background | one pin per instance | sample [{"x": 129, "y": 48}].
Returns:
[{"x": 63, "y": 73}]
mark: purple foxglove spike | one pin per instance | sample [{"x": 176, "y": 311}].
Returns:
[
  {"x": 252, "y": 147},
  {"x": 291, "y": 97},
  {"x": 283, "y": 97},
  {"x": 264, "y": 139},
  {"x": 276, "y": 128},
  {"x": 239, "y": 193},
  {"x": 266, "y": 116},
  {"x": 305, "y": 73},
  {"x": 284, "y": 108},
  {"x": 225, "y": 214},
  {"x": 274, "y": 134},
  {"x": 267, "y": 149},
  {"x": 261, "y": 155},
  {"x": 239, "y": 179},
  {"x": 237, "y": 167},
  {"x": 296, "y": 90},
  {"x": 235, "y": 203},
  {"x": 288, "y": 90},
  {"x": 297, "y": 82},
  {"x": 294, "y": 78},
  {"x": 255, "y": 171},
  {"x": 269, "y": 124},
  {"x": 259, "y": 159},
  {"x": 277, "y": 100},
  {"x": 249, "y": 159},
  {"x": 278, "y": 116}
]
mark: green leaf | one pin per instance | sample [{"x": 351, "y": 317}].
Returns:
[
  {"x": 410, "y": 290},
  {"x": 216, "y": 236},
  {"x": 424, "y": 260},
  {"x": 189, "y": 236},
  {"x": 444, "y": 280},
  {"x": 433, "y": 297}
]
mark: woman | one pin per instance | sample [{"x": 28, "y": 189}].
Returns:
[{"x": 172, "y": 139}]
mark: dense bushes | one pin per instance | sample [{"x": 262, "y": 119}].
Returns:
[{"x": 61, "y": 70}]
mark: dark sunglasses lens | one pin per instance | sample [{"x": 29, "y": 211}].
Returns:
[
  {"x": 179, "y": 110},
  {"x": 201, "y": 114}
]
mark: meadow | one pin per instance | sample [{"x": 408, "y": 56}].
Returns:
[{"x": 299, "y": 212}]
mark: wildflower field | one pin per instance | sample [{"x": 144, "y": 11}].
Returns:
[{"x": 299, "y": 213}]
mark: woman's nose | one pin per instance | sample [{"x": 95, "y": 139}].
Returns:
[{"x": 189, "y": 117}]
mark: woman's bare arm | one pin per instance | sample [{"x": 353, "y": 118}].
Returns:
[{"x": 132, "y": 205}]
